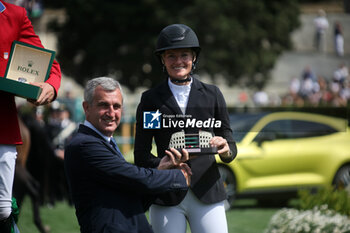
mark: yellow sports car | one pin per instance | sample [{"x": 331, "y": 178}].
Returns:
[{"x": 281, "y": 152}]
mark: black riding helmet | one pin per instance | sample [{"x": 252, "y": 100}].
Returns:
[{"x": 176, "y": 36}]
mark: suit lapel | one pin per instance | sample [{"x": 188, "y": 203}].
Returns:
[
  {"x": 86, "y": 130},
  {"x": 168, "y": 98},
  {"x": 195, "y": 96}
]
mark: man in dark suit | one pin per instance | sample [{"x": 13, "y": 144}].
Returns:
[{"x": 108, "y": 192}]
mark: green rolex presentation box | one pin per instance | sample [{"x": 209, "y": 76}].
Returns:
[{"x": 27, "y": 64}]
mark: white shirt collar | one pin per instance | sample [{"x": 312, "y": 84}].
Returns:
[
  {"x": 2, "y": 7},
  {"x": 181, "y": 94},
  {"x": 176, "y": 89}
]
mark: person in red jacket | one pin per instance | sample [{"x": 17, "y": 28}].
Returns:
[{"x": 15, "y": 25}]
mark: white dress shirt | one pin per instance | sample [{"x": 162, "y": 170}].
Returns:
[{"x": 181, "y": 94}]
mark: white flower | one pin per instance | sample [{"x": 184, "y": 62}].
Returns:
[{"x": 318, "y": 220}]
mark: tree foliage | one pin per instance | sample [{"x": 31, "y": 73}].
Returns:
[{"x": 240, "y": 40}]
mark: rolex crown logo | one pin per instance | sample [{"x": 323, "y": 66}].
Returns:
[{"x": 30, "y": 63}]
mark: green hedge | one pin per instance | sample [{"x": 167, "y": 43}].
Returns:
[{"x": 337, "y": 200}]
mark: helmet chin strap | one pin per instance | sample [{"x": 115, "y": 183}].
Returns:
[{"x": 176, "y": 81}]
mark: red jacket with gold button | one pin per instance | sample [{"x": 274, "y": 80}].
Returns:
[{"x": 15, "y": 25}]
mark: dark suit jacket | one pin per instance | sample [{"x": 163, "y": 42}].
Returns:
[
  {"x": 107, "y": 191},
  {"x": 205, "y": 102}
]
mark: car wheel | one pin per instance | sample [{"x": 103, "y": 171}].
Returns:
[
  {"x": 229, "y": 181},
  {"x": 342, "y": 178}
]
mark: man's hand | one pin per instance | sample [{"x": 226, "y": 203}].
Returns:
[
  {"x": 46, "y": 96},
  {"x": 174, "y": 159},
  {"x": 222, "y": 145}
]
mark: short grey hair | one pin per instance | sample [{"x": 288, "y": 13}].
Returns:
[{"x": 108, "y": 84}]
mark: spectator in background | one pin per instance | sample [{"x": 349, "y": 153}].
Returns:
[
  {"x": 294, "y": 86},
  {"x": 321, "y": 26},
  {"x": 293, "y": 97},
  {"x": 338, "y": 39},
  {"x": 345, "y": 93},
  {"x": 260, "y": 98},
  {"x": 60, "y": 127},
  {"x": 308, "y": 74},
  {"x": 339, "y": 86},
  {"x": 325, "y": 95},
  {"x": 341, "y": 74},
  {"x": 309, "y": 83}
]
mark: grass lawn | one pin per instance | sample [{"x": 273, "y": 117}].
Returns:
[
  {"x": 243, "y": 218},
  {"x": 60, "y": 218},
  {"x": 248, "y": 220}
]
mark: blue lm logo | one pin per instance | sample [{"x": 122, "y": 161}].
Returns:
[{"x": 151, "y": 120}]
